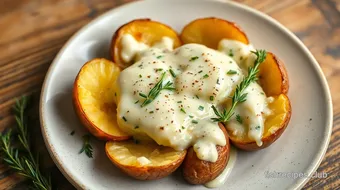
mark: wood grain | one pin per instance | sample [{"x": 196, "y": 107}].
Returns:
[{"x": 33, "y": 31}]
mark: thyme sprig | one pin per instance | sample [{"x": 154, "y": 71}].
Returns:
[
  {"x": 239, "y": 95},
  {"x": 87, "y": 147},
  {"x": 19, "y": 156},
  {"x": 154, "y": 92}
]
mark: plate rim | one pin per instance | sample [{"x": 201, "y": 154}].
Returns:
[{"x": 298, "y": 184}]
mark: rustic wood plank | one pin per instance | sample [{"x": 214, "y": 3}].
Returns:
[{"x": 27, "y": 49}]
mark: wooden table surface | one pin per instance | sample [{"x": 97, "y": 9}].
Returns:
[{"x": 33, "y": 31}]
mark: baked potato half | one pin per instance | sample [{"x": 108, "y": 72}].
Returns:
[
  {"x": 196, "y": 171},
  {"x": 210, "y": 31},
  {"x": 143, "y": 30},
  {"x": 275, "y": 124},
  {"x": 144, "y": 160},
  {"x": 273, "y": 76},
  {"x": 94, "y": 95}
]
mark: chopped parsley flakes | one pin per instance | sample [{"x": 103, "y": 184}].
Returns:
[
  {"x": 193, "y": 58},
  {"x": 172, "y": 73},
  {"x": 194, "y": 121},
  {"x": 239, "y": 119},
  {"x": 231, "y": 72}
]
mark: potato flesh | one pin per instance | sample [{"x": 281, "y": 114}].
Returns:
[
  {"x": 97, "y": 95},
  {"x": 273, "y": 76},
  {"x": 128, "y": 153},
  {"x": 210, "y": 31},
  {"x": 280, "y": 108},
  {"x": 145, "y": 160}
]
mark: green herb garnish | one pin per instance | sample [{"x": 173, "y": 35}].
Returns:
[
  {"x": 257, "y": 127},
  {"x": 182, "y": 110},
  {"x": 205, "y": 76},
  {"x": 172, "y": 73},
  {"x": 179, "y": 102},
  {"x": 200, "y": 71},
  {"x": 87, "y": 148},
  {"x": 154, "y": 92},
  {"x": 124, "y": 119},
  {"x": 231, "y": 72},
  {"x": 201, "y": 108},
  {"x": 19, "y": 156},
  {"x": 211, "y": 98},
  {"x": 197, "y": 97},
  {"x": 239, "y": 96},
  {"x": 231, "y": 54},
  {"x": 140, "y": 76},
  {"x": 193, "y": 58},
  {"x": 143, "y": 95},
  {"x": 239, "y": 119},
  {"x": 159, "y": 69},
  {"x": 136, "y": 102},
  {"x": 194, "y": 121},
  {"x": 160, "y": 56}
]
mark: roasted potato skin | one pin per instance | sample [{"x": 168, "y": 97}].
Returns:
[
  {"x": 94, "y": 130},
  {"x": 273, "y": 76},
  {"x": 196, "y": 171},
  {"x": 267, "y": 139},
  {"x": 147, "y": 172},
  {"x": 115, "y": 46},
  {"x": 210, "y": 31}
]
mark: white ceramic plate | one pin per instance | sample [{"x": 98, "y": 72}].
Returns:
[{"x": 300, "y": 149}]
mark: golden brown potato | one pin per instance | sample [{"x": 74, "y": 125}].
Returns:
[
  {"x": 94, "y": 99},
  {"x": 197, "y": 171},
  {"x": 273, "y": 76},
  {"x": 144, "y": 160},
  {"x": 143, "y": 30},
  {"x": 210, "y": 31},
  {"x": 275, "y": 125}
]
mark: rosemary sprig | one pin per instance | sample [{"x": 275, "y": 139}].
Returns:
[
  {"x": 239, "y": 96},
  {"x": 154, "y": 92},
  {"x": 19, "y": 157},
  {"x": 87, "y": 148}
]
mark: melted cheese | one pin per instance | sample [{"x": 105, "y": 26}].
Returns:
[
  {"x": 132, "y": 48},
  {"x": 239, "y": 51},
  {"x": 182, "y": 118},
  {"x": 252, "y": 113}
]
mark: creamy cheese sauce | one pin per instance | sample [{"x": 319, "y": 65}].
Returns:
[
  {"x": 202, "y": 77},
  {"x": 222, "y": 178}
]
